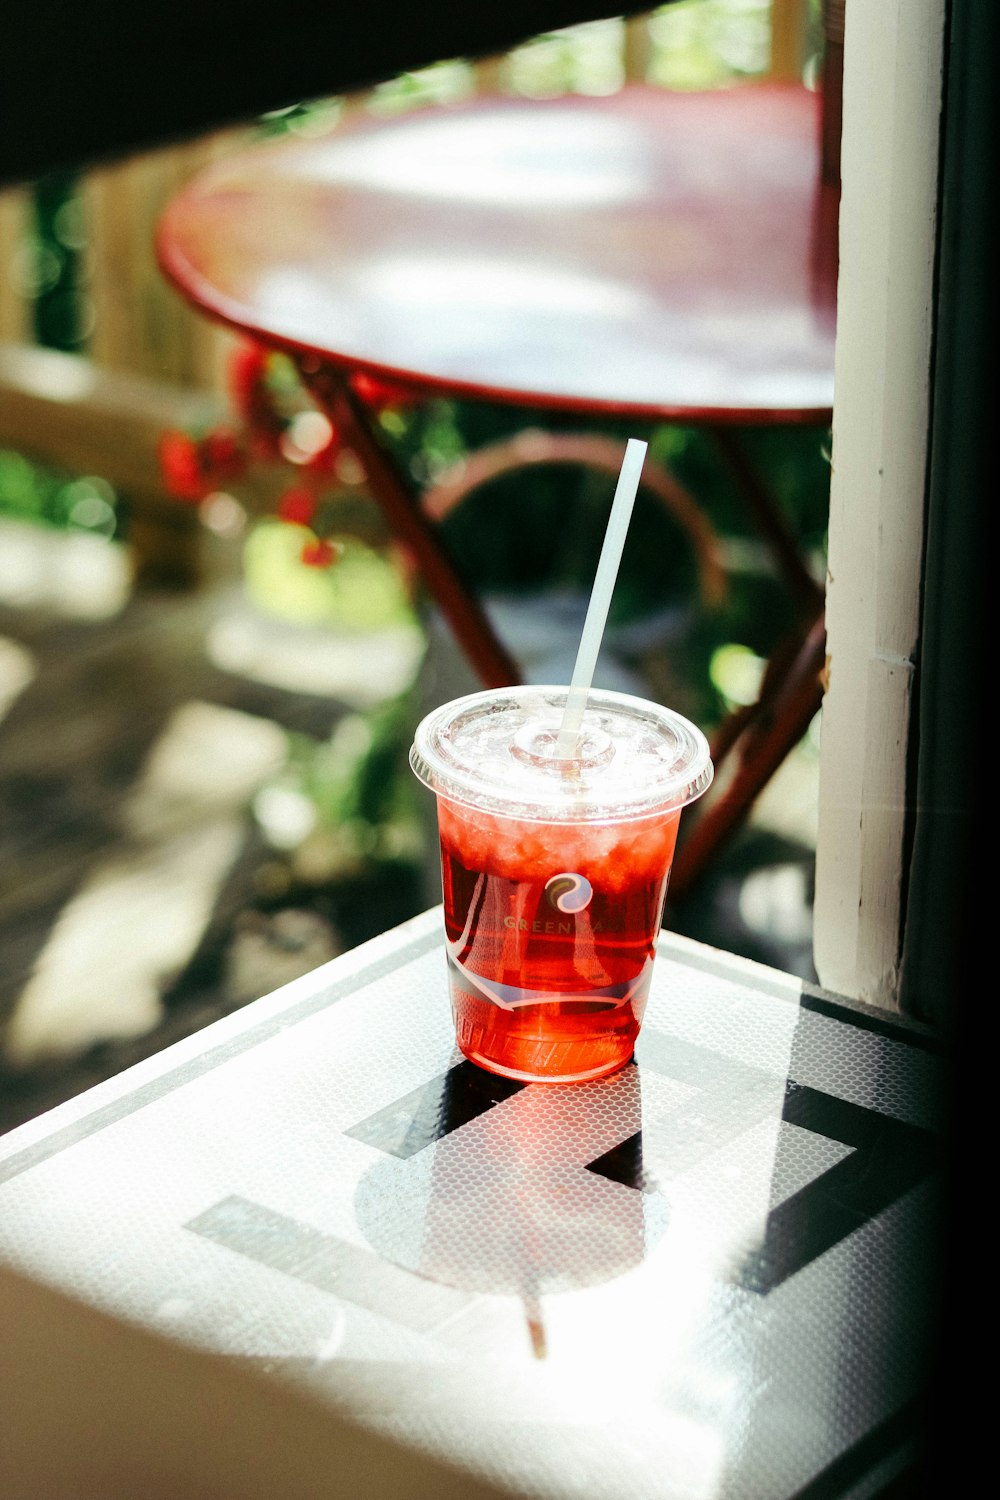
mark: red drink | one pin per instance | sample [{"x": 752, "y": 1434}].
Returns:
[
  {"x": 551, "y": 931},
  {"x": 555, "y": 871}
]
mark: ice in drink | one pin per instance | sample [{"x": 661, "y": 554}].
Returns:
[
  {"x": 551, "y": 933},
  {"x": 555, "y": 872}
]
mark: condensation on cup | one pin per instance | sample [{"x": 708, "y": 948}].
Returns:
[{"x": 555, "y": 870}]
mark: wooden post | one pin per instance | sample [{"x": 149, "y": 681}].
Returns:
[
  {"x": 788, "y": 26},
  {"x": 488, "y": 74},
  {"x": 140, "y": 323},
  {"x": 638, "y": 49},
  {"x": 143, "y": 328},
  {"x": 14, "y": 308}
]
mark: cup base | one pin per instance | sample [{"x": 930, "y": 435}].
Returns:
[
  {"x": 584, "y": 1076},
  {"x": 556, "y": 1042}
]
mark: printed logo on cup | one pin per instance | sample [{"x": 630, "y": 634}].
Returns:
[{"x": 569, "y": 893}]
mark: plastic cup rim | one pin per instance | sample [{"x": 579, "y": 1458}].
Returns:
[{"x": 453, "y": 784}]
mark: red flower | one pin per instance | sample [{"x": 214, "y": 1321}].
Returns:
[
  {"x": 253, "y": 400},
  {"x": 247, "y": 371},
  {"x": 181, "y": 466},
  {"x": 376, "y": 392},
  {"x": 224, "y": 459},
  {"x": 320, "y": 553},
  {"x": 297, "y": 506},
  {"x": 324, "y": 460},
  {"x": 191, "y": 469}
]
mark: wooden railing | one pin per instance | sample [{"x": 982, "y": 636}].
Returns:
[{"x": 151, "y": 363}]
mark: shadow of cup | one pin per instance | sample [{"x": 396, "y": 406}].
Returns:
[{"x": 543, "y": 1192}]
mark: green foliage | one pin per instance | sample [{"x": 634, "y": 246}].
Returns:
[
  {"x": 357, "y": 775},
  {"x": 32, "y": 492},
  {"x": 363, "y": 813},
  {"x": 702, "y": 44},
  {"x": 61, "y": 308}
]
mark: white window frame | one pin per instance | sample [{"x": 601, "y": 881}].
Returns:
[{"x": 893, "y": 72}]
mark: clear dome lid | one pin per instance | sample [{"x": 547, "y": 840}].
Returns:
[{"x": 496, "y": 750}]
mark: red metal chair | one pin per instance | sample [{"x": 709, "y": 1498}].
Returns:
[{"x": 651, "y": 255}]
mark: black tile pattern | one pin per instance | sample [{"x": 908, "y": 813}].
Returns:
[
  {"x": 623, "y": 1163},
  {"x": 434, "y": 1110},
  {"x": 888, "y": 1158}
]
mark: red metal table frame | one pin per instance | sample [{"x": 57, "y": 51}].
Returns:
[{"x": 654, "y": 256}]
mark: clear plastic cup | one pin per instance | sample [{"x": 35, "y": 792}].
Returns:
[{"x": 555, "y": 871}]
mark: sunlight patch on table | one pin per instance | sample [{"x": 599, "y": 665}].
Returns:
[{"x": 514, "y": 156}]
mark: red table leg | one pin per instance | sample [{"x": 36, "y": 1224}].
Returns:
[
  {"x": 779, "y": 721},
  {"x": 769, "y": 520},
  {"x": 398, "y": 499}
]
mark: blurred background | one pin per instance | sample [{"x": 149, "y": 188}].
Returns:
[{"x": 212, "y": 655}]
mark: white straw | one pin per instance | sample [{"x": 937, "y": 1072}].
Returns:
[{"x": 600, "y": 598}]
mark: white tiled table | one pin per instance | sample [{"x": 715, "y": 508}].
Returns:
[{"x": 706, "y": 1276}]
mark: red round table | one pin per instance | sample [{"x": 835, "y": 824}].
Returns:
[{"x": 654, "y": 255}]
